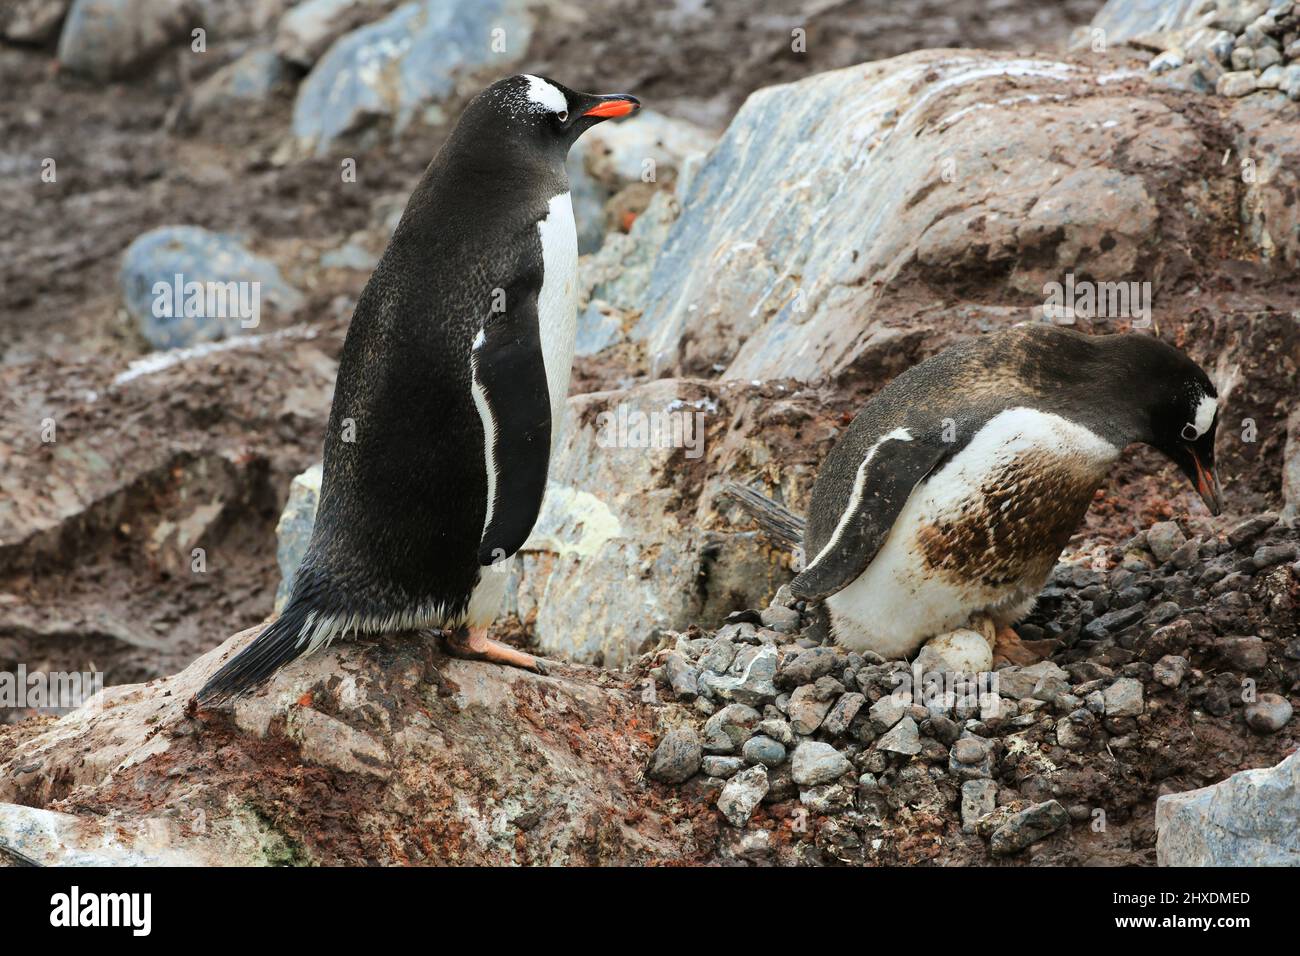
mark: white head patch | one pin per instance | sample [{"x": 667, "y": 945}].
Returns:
[
  {"x": 1202, "y": 419},
  {"x": 544, "y": 96}
]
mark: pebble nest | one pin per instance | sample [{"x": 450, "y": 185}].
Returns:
[
  {"x": 1241, "y": 46},
  {"x": 1170, "y": 661}
]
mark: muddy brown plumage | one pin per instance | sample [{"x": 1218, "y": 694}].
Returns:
[{"x": 989, "y": 455}]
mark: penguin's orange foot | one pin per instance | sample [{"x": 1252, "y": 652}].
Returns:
[
  {"x": 1008, "y": 648},
  {"x": 472, "y": 643}
]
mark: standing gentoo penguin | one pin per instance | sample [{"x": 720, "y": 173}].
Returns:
[
  {"x": 948, "y": 499},
  {"x": 450, "y": 388}
]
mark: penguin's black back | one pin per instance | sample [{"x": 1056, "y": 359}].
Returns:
[
  {"x": 402, "y": 506},
  {"x": 1095, "y": 381}
]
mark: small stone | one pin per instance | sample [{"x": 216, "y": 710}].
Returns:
[
  {"x": 783, "y": 620},
  {"x": 764, "y": 750},
  {"x": 1244, "y": 653},
  {"x": 726, "y": 730},
  {"x": 886, "y": 712},
  {"x": 682, "y": 677},
  {"x": 742, "y": 795},
  {"x": 1164, "y": 538},
  {"x": 719, "y": 656},
  {"x": 780, "y": 784},
  {"x": 1076, "y": 730},
  {"x": 1270, "y": 555},
  {"x": 1096, "y": 703},
  {"x": 806, "y": 711},
  {"x": 1124, "y": 698},
  {"x": 1236, "y": 84},
  {"x": 978, "y": 800},
  {"x": 904, "y": 738},
  {"x": 1242, "y": 58},
  {"x": 677, "y": 758},
  {"x": 1166, "y": 61},
  {"x": 778, "y": 730},
  {"x": 1247, "y": 531},
  {"x": 1272, "y": 78},
  {"x": 1267, "y": 56},
  {"x": 1028, "y": 827},
  {"x": 1170, "y": 670},
  {"x": 805, "y": 667},
  {"x": 1049, "y": 688},
  {"x": 1221, "y": 45},
  {"x": 814, "y": 763},
  {"x": 827, "y": 688},
  {"x": 753, "y": 685},
  {"x": 1269, "y": 713},
  {"x": 1291, "y": 81},
  {"x": 827, "y": 799},
  {"x": 1164, "y": 612},
  {"x": 1186, "y": 554},
  {"x": 842, "y": 713},
  {"x": 943, "y": 729},
  {"x": 969, "y": 750},
  {"x": 718, "y": 766}
]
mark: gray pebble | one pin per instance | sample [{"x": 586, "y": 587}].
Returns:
[
  {"x": 1269, "y": 713},
  {"x": 904, "y": 738},
  {"x": 842, "y": 713},
  {"x": 815, "y": 762},
  {"x": 764, "y": 750},
  {"x": 718, "y": 766},
  {"x": 742, "y": 795},
  {"x": 1027, "y": 827},
  {"x": 677, "y": 758}
]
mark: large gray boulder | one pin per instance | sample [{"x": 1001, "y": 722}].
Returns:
[
  {"x": 234, "y": 286},
  {"x": 404, "y": 65},
  {"x": 822, "y": 194},
  {"x": 1250, "y": 819}
]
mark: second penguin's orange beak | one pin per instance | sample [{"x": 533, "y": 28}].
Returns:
[
  {"x": 1207, "y": 486},
  {"x": 614, "y": 106}
]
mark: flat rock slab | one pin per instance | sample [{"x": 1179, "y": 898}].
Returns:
[
  {"x": 377, "y": 753},
  {"x": 1250, "y": 819}
]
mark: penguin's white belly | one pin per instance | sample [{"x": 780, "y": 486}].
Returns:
[
  {"x": 981, "y": 535},
  {"x": 557, "y": 303}
]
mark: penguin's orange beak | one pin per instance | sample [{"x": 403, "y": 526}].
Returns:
[
  {"x": 1207, "y": 486},
  {"x": 611, "y": 107}
]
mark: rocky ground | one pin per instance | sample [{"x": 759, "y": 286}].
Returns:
[
  {"x": 799, "y": 248},
  {"x": 1167, "y": 666}
]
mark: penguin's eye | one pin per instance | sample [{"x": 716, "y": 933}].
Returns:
[
  {"x": 563, "y": 116},
  {"x": 1190, "y": 433}
]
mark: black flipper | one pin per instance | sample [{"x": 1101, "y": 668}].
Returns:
[
  {"x": 774, "y": 518},
  {"x": 514, "y": 402},
  {"x": 884, "y": 481}
]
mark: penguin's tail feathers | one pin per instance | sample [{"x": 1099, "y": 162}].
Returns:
[
  {"x": 775, "y": 519},
  {"x": 290, "y": 635}
]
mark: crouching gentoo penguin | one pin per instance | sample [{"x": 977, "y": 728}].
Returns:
[
  {"x": 948, "y": 499},
  {"x": 450, "y": 386}
]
